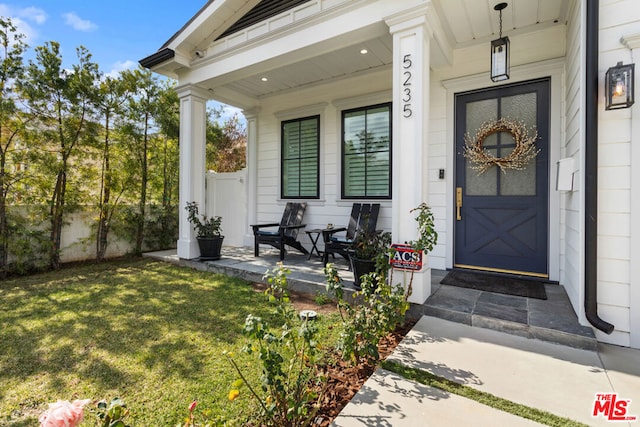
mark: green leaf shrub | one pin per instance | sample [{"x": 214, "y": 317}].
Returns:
[
  {"x": 381, "y": 310},
  {"x": 290, "y": 373},
  {"x": 381, "y": 306}
]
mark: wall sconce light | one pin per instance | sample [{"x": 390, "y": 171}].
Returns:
[
  {"x": 618, "y": 84},
  {"x": 500, "y": 52}
]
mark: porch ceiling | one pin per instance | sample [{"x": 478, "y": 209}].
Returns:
[
  {"x": 463, "y": 23},
  {"x": 469, "y": 22}
]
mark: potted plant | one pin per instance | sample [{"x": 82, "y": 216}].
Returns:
[
  {"x": 207, "y": 232},
  {"x": 370, "y": 251}
]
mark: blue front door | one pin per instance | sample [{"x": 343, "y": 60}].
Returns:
[{"x": 502, "y": 215}]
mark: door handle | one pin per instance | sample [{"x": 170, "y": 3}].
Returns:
[{"x": 458, "y": 203}]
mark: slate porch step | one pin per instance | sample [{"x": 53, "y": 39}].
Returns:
[{"x": 552, "y": 320}]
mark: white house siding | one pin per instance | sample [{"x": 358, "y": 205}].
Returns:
[
  {"x": 571, "y": 216},
  {"x": 617, "y": 19},
  {"x": 439, "y": 153},
  {"x": 328, "y": 101}
]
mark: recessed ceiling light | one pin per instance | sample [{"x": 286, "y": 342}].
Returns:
[
  {"x": 364, "y": 51},
  {"x": 264, "y": 79}
]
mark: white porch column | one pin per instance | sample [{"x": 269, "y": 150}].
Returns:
[
  {"x": 193, "y": 122},
  {"x": 252, "y": 174},
  {"x": 411, "y": 43}
]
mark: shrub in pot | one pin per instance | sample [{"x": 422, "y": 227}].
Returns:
[
  {"x": 208, "y": 232},
  {"x": 370, "y": 253}
]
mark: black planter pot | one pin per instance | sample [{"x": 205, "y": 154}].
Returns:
[
  {"x": 210, "y": 247},
  {"x": 361, "y": 267}
]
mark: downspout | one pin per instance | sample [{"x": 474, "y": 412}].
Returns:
[{"x": 591, "y": 170}]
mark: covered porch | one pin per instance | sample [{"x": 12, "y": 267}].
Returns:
[{"x": 374, "y": 87}]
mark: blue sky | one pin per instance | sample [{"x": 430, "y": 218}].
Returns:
[{"x": 118, "y": 33}]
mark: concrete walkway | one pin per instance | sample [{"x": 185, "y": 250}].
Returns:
[{"x": 552, "y": 377}]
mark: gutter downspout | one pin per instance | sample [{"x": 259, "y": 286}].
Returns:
[{"x": 591, "y": 170}]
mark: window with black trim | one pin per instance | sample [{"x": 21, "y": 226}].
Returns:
[
  {"x": 366, "y": 152},
  {"x": 300, "y": 177}
]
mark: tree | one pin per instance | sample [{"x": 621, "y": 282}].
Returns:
[
  {"x": 167, "y": 115},
  {"x": 59, "y": 101},
  {"x": 140, "y": 111},
  {"x": 226, "y": 144},
  {"x": 162, "y": 218},
  {"x": 113, "y": 93},
  {"x": 11, "y": 124}
]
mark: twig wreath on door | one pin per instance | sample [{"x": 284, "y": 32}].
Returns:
[{"x": 482, "y": 160}]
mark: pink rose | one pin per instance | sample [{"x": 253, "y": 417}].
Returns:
[{"x": 63, "y": 413}]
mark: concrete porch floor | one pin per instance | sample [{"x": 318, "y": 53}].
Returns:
[{"x": 552, "y": 320}]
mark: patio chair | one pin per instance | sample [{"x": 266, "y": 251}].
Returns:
[
  {"x": 364, "y": 216},
  {"x": 287, "y": 232}
]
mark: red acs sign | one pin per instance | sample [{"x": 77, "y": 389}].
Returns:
[{"x": 405, "y": 257}]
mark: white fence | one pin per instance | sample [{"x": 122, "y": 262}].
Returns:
[
  {"x": 227, "y": 197},
  {"x": 77, "y": 241}
]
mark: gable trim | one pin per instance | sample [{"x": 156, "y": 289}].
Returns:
[{"x": 261, "y": 12}]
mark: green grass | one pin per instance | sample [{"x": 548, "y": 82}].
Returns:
[
  {"x": 485, "y": 398},
  {"x": 149, "y": 332}
]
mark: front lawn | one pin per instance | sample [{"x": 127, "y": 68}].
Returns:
[{"x": 148, "y": 332}]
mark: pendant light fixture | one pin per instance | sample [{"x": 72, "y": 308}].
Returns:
[{"x": 500, "y": 52}]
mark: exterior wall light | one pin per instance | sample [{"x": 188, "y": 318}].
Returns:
[
  {"x": 618, "y": 84},
  {"x": 500, "y": 52}
]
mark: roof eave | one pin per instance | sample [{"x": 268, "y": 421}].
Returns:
[{"x": 158, "y": 58}]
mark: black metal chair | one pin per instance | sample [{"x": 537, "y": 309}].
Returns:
[
  {"x": 364, "y": 216},
  {"x": 287, "y": 232}
]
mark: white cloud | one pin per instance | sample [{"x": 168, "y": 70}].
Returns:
[
  {"x": 229, "y": 111},
  {"x": 77, "y": 23},
  {"x": 34, "y": 14},
  {"x": 24, "y": 19},
  {"x": 121, "y": 66}
]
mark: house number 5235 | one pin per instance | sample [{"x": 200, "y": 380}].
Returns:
[{"x": 406, "y": 86}]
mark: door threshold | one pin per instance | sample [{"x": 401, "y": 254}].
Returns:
[{"x": 502, "y": 271}]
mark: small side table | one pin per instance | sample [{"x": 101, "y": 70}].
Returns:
[{"x": 314, "y": 236}]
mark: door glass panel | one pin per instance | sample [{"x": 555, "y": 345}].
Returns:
[
  {"x": 521, "y": 108},
  {"x": 519, "y": 182},
  {"x": 494, "y": 182},
  {"x": 479, "y": 112},
  {"x": 485, "y": 184}
]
